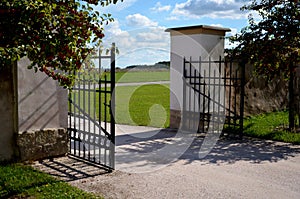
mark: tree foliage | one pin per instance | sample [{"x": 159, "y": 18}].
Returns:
[
  {"x": 56, "y": 35},
  {"x": 272, "y": 43}
]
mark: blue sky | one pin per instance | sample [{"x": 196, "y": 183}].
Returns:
[{"x": 139, "y": 25}]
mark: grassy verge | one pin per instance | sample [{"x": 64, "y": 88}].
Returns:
[
  {"x": 270, "y": 126},
  {"x": 19, "y": 181}
]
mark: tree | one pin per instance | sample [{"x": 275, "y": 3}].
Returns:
[
  {"x": 56, "y": 35},
  {"x": 273, "y": 43}
]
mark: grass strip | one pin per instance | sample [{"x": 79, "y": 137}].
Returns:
[
  {"x": 271, "y": 126},
  {"x": 20, "y": 181}
]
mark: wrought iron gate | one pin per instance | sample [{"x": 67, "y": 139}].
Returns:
[
  {"x": 213, "y": 95},
  {"x": 91, "y": 122}
]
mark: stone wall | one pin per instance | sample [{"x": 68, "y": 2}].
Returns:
[
  {"x": 39, "y": 144},
  {"x": 175, "y": 119},
  {"x": 263, "y": 96}
]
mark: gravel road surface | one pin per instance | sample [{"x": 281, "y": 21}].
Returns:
[{"x": 247, "y": 168}]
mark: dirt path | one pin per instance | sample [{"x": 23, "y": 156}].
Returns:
[{"x": 233, "y": 169}]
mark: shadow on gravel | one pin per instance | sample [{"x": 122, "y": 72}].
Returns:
[
  {"x": 226, "y": 151},
  {"x": 70, "y": 168},
  {"x": 136, "y": 148},
  {"x": 229, "y": 151}
]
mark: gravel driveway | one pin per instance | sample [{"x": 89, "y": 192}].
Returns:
[{"x": 247, "y": 168}]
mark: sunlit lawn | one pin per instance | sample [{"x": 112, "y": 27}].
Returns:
[
  {"x": 19, "y": 181},
  {"x": 270, "y": 126},
  {"x": 146, "y": 105},
  {"x": 142, "y": 76}
]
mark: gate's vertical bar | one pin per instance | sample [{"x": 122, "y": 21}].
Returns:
[
  {"x": 84, "y": 117},
  {"x": 194, "y": 100},
  {"x": 79, "y": 115},
  {"x": 214, "y": 100},
  {"x": 100, "y": 106},
  {"x": 209, "y": 92},
  {"x": 70, "y": 109},
  {"x": 105, "y": 117},
  {"x": 112, "y": 104},
  {"x": 94, "y": 114},
  {"x": 75, "y": 132},
  {"x": 201, "y": 96},
  {"x": 220, "y": 89},
  {"x": 230, "y": 91},
  {"x": 190, "y": 95},
  {"x": 242, "y": 99},
  {"x": 203, "y": 117},
  {"x": 183, "y": 118},
  {"x": 89, "y": 114}
]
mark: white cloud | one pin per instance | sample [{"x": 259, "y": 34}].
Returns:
[
  {"x": 119, "y": 36},
  {"x": 217, "y": 25},
  {"x": 153, "y": 34},
  {"x": 138, "y": 20},
  {"x": 233, "y": 31},
  {"x": 118, "y": 6},
  {"x": 160, "y": 8},
  {"x": 172, "y": 18},
  {"x": 155, "y": 37},
  {"x": 209, "y": 8},
  {"x": 146, "y": 45}
]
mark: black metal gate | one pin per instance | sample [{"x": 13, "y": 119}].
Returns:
[
  {"x": 91, "y": 122},
  {"x": 213, "y": 95}
]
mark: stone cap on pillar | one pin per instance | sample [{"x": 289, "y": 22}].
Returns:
[{"x": 199, "y": 29}]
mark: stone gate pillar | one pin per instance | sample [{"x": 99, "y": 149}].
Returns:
[{"x": 190, "y": 42}]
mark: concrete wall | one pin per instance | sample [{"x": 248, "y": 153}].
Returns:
[
  {"x": 8, "y": 108},
  {"x": 41, "y": 102},
  {"x": 31, "y": 106}
]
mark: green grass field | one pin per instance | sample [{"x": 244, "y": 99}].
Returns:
[
  {"x": 19, "y": 181},
  {"x": 142, "y": 76},
  {"x": 146, "y": 105},
  {"x": 130, "y": 76}
]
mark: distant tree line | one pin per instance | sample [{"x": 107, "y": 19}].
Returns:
[{"x": 158, "y": 65}]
